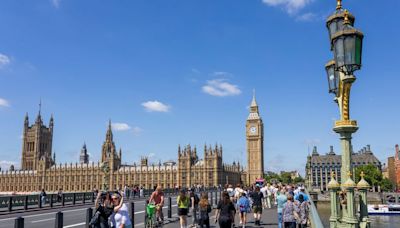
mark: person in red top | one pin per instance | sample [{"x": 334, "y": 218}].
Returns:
[{"x": 157, "y": 197}]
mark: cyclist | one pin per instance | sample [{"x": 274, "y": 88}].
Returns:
[{"x": 157, "y": 197}]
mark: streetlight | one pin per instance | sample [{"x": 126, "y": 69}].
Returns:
[
  {"x": 347, "y": 47},
  {"x": 333, "y": 77},
  {"x": 346, "y": 44}
]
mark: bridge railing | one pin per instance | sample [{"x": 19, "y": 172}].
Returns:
[
  {"x": 19, "y": 222},
  {"x": 34, "y": 201},
  {"x": 314, "y": 216}
]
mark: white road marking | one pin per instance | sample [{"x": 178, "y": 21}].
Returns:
[
  {"x": 50, "y": 213},
  {"x": 73, "y": 225},
  {"x": 43, "y": 220}
]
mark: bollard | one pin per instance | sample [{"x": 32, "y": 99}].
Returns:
[
  {"x": 51, "y": 200},
  {"x": 26, "y": 202},
  {"x": 10, "y": 204},
  {"x": 169, "y": 207},
  {"x": 89, "y": 214},
  {"x": 19, "y": 222},
  {"x": 132, "y": 213},
  {"x": 40, "y": 201},
  {"x": 62, "y": 200},
  {"x": 73, "y": 198},
  {"x": 59, "y": 220},
  {"x": 83, "y": 198}
]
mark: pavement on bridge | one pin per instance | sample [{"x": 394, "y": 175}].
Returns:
[
  {"x": 269, "y": 219},
  {"x": 76, "y": 216}
]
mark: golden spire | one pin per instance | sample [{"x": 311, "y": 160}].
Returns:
[
  {"x": 332, "y": 174},
  {"x": 362, "y": 175},
  {"x": 348, "y": 174},
  {"x": 346, "y": 18},
  {"x": 339, "y": 5}
]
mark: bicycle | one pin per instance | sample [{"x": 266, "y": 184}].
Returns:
[{"x": 151, "y": 220}]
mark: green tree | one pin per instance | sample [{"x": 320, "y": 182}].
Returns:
[
  {"x": 298, "y": 180},
  {"x": 286, "y": 177},
  {"x": 386, "y": 185},
  {"x": 372, "y": 174},
  {"x": 269, "y": 176}
]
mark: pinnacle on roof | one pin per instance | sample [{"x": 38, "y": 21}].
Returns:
[{"x": 253, "y": 101}]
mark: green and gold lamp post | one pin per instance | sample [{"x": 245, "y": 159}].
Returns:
[{"x": 346, "y": 45}]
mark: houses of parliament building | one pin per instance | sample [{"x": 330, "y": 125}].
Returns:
[{"x": 39, "y": 169}]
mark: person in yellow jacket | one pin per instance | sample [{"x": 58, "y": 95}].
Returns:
[{"x": 183, "y": 201}]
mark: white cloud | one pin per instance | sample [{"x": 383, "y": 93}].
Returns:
[
  {"x": 120, "y": 126},
  {"x": 306, "y": 17},
  {"x": 151, "y": 155},
  {"x": 222, "y": 74},
  {"x": 5, "y": 165},
  {"x": 56, "y": 3},
  {"x": 155, "y": 106},
  {"x": 221, "y": 88},
  {"x": 137, "y": 131},
  {"x": 4, "y": 102},
  {"x": 4, "y": 60},
  {"x": 291, "y": 6}
]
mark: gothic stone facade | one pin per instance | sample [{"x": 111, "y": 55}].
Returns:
[
  {"x": 40, "y": 171},
  {"x": 319, "y": 167}
]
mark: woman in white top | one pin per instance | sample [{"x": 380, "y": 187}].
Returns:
[{"x": 121, "y": 216}]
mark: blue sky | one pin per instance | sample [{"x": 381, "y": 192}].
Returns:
[{"x": 177, "y": 72}]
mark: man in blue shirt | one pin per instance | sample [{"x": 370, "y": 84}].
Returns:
[
  {"x": 302, "y": 192},
  {"x": 281, "y": 200}
]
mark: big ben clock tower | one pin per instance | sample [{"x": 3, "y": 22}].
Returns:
[{"x": 254, "y": 144}]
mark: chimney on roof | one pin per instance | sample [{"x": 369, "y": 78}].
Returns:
[{"x": 369, "y": 148}]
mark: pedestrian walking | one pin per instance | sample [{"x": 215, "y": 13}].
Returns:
[
  {"x": 281, "y": 200},
  {"x": 59, "y": 195},
  {"x": 244, "y": 207},
  {"x": 194, "y": 199},
  {"x": 304, "y": 210},
  {"x": 290, "y": 213},
  {"x": 43, "y": 196},
  {"x": 257, "y": 205},
  {"x": 183, "y": 206},
  {"x": 204, "y": 210},
  {"x": 225, "y": 214}
]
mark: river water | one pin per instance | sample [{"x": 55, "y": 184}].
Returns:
[{"x": 391, "y": 221}]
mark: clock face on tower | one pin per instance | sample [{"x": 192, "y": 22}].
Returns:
[{"x": 253, "y": 130}]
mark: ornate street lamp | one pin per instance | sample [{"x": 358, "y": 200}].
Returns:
[
  {"x": 347, "y": 47},
  {"x": 334, "y": 23},
  {"x": 333, "y": 77},
  {"x": 346, "y": 44}
]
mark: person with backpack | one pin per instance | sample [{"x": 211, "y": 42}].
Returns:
[
  {"x": 194, "y": 199},
  {"x": 244, "y": 207},
  {"x": 204, "y": 210}
]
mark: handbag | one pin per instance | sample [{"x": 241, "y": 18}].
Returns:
[{"x": 95, "y": 219}]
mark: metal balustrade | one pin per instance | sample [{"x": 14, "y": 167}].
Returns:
[
  {"x": 29, "y": 202},
  {"x": 79, "y": 196}
]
